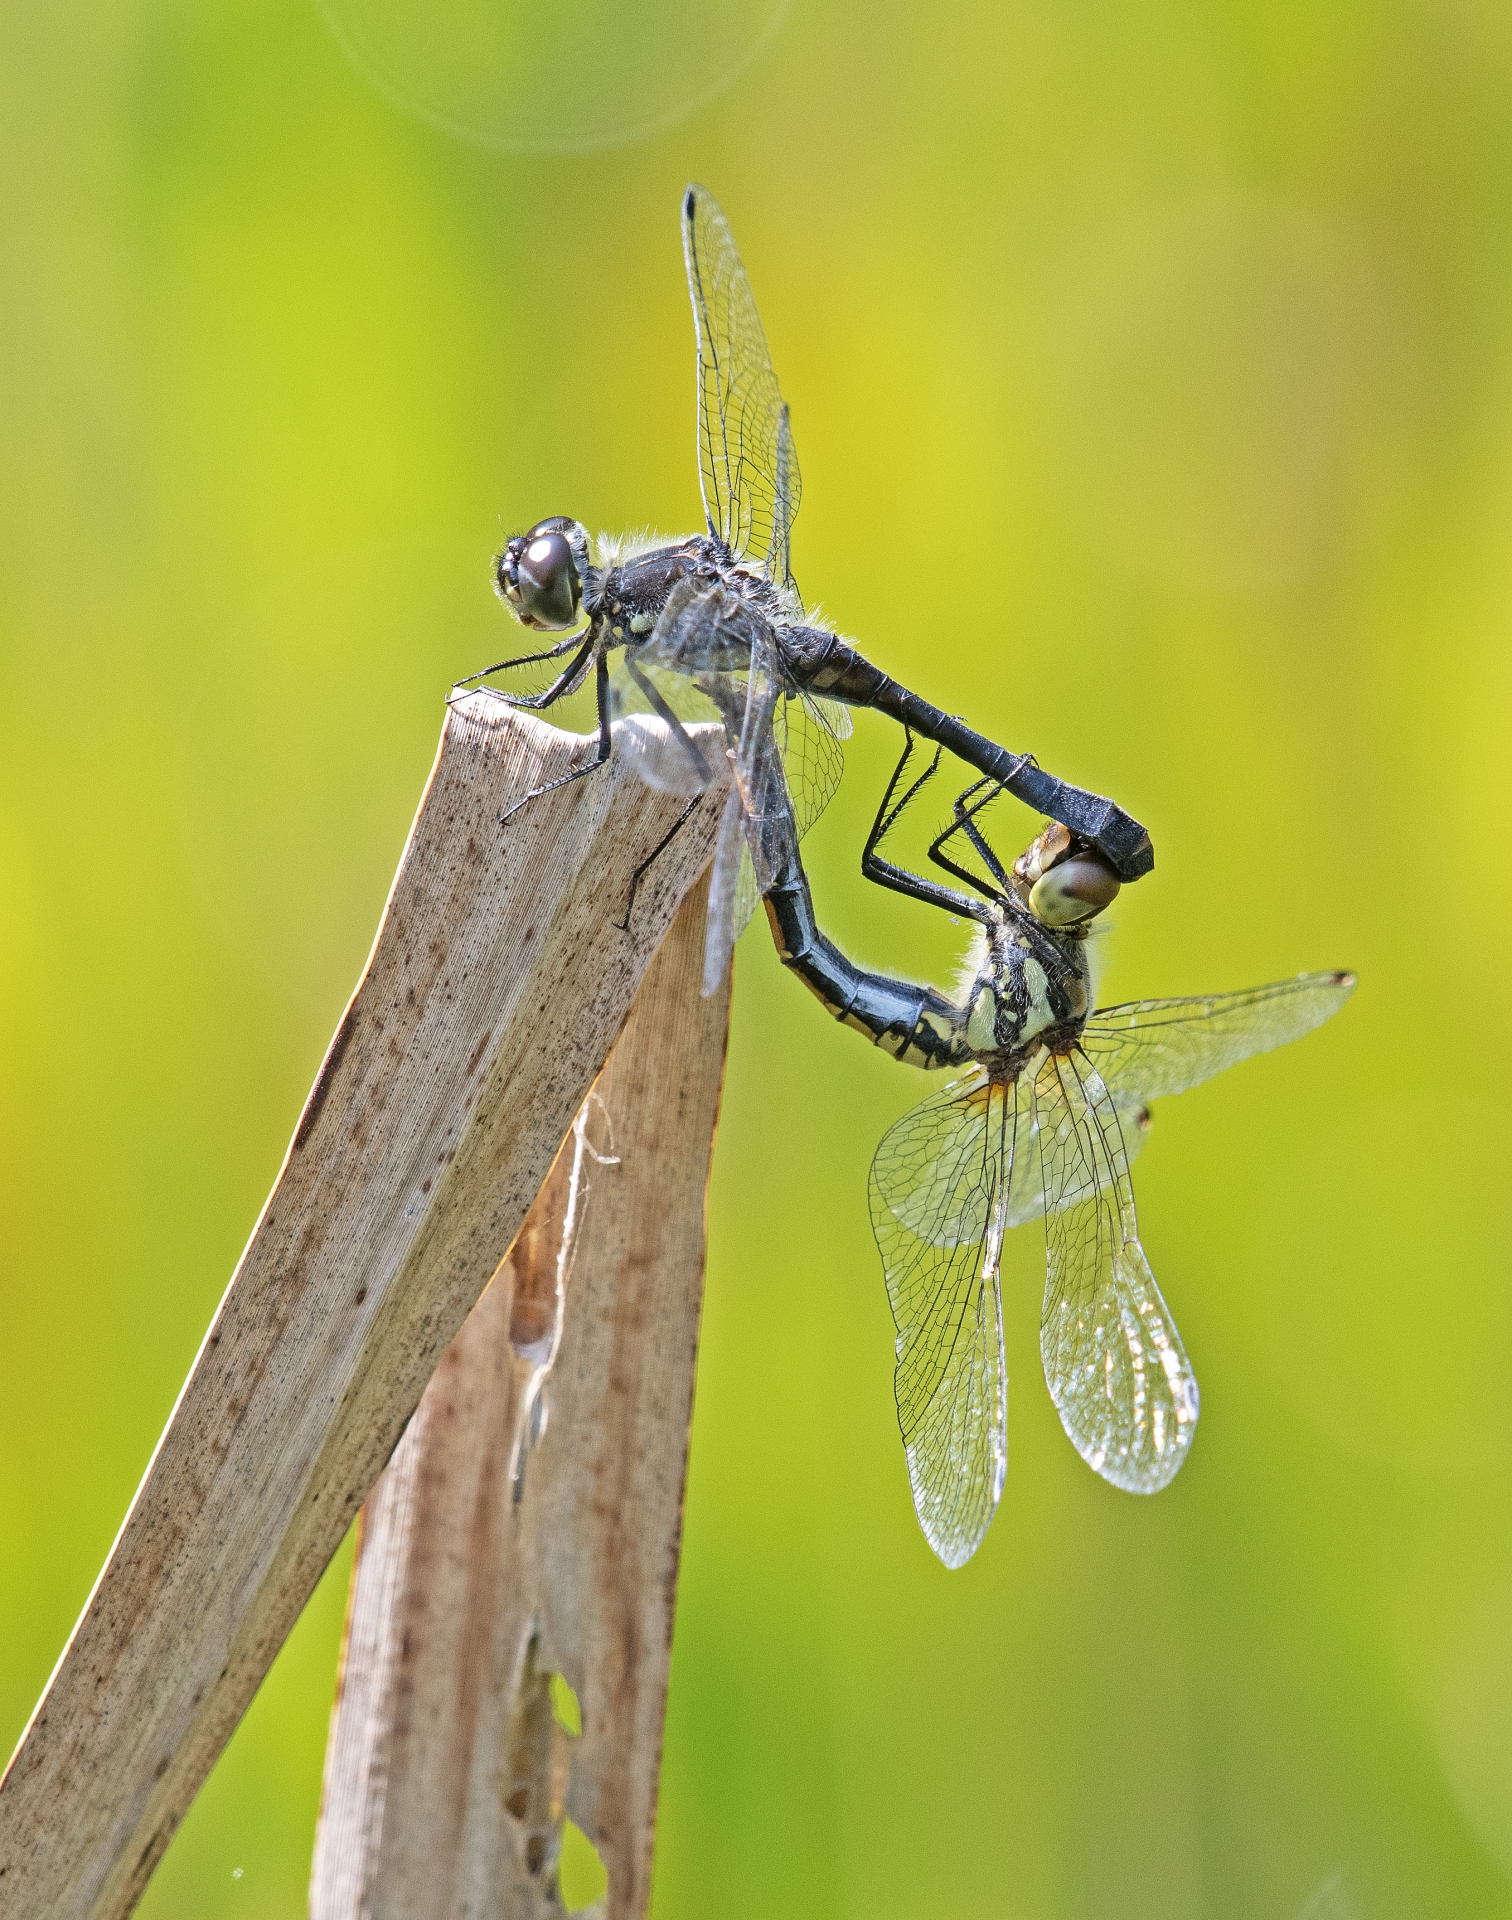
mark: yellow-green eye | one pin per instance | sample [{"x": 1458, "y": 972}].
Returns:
[{"x": 1073, "y": 891}]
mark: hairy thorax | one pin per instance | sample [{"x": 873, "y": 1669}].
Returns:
[
  {"x": 628, "y": 594},
  {"x": 1032, "y": 992}
]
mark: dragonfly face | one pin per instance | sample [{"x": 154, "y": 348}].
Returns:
[{"x": 540, "y": 574}]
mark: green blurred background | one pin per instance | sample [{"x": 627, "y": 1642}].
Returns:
[{"x": 1151, "y": 370}]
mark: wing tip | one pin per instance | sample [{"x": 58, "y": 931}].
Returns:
[
  {"x": 954, "y": 1556},
  {"x": 951, "y": 1546}
]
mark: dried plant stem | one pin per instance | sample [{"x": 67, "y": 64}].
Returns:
[
  {"x": 486, "y": 1566},
  {"x": 493, "y": 994}
]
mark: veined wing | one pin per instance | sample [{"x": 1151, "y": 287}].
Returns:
[
  {"x": 939, "y": 1185},
  {"x": 661, "y": 687},
  {"x": 748, "y": 467},
  {"x": 949, "y": 1129},
  {"x": 1050, "y": 1149},
  {"x": 656, "y": 703},
  {"x": 712, "y": 656},
  {"x": 1147, "y": 1049},
  {"x": 810, "y": 735},
  {"x": 757, "y": 830},
  {"x": 695, "y": 666},
  {"x": 787, "y": 760},
  {"x": 1114, "y": 1362}
]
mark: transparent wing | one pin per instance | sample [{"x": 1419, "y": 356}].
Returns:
[
  {"x": 1049, "y": 1148},
  {"x": 657, "y": 706},
  {"x": 748, "y": 467},
  {"x": 712, "y": 656},
  {"x": 757, "y": 829},
  {"x": 1114, "y": 1362},
  {"x": 1147, "y": 1049},
  {"x": 810, "y": 735},
  {"x": 696, "y": 665},
  {"x": 734, "y": 894},
  {"x": 939, "y": 1183}
]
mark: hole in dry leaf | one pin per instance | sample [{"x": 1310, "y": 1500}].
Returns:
[
  {"x": 564, "y": 1706},
  {"x": 582, "y": 1878},
  {"x": 535, "y": 1763}
]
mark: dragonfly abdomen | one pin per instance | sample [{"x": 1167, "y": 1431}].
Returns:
[
  {"x": 823, "y": 663},
  {"x": 913, "y": 1024}
]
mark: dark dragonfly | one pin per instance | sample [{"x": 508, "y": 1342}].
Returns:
[
  {"x": 1052, "y": 1110},
  {"x": 712, "y": 627}
]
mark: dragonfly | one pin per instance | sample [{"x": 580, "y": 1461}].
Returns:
[
  {"x": 1045, "y": 1123},
  {"x": 712, "y": 627}
]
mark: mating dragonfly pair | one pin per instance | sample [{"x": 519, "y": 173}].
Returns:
[{"x": 1053, "y": 1105}]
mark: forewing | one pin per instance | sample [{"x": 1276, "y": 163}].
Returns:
[
  {"x": 1114, "y": 1362},
  {"x": 747, "y": 463},
  {"x": 1148, "y": 1049},
  {"x": 712, "y": 655},
  {"x": 810, "y": 735},
  {"x": 756, "y": 832},
  {"x": 733, "y": 892},
  {"x": 786, "y": 761},
  {"x": 937, "y": 1187}
]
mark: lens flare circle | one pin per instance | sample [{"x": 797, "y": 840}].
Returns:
[{"x": 565, "y": 78}]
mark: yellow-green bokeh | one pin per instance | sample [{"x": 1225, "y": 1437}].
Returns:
[{"x": 1151, "y": 367}]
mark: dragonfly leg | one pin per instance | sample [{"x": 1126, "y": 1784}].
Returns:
[
  {"x": 674, "y": 726},
  {"x": 965, "y": 822},
  {"x": 522, "y": 660},
  {"x": 566, "y": 682},
  {"x": 600, "y": 759},
  {"x": 887, "y": 873},
  {"x": 661, "y": 847},
  {"x": 830, "y": 666},
  {"x": 1115, "y": 834}
]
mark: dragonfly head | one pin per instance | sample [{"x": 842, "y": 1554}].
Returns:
[
  {"x": 540, "y": 574},
  {"x": 1062, "y": 882}
]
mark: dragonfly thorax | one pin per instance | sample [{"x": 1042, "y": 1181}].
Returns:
[
  {"x": 721, "y": 607},
  {"x": 1032, "y": 988}
]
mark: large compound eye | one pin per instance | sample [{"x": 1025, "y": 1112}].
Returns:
[
  {"x": 548, "y": 581},
  {"x": 539, "y": 578},
  {"x": 1074, "y": 890}
]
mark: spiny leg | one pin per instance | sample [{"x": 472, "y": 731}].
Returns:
[
  {"x": 965, "y": 822},
  {"x": 661, "y": 846},
  {"x": 881, "y": 826},
  {"x": 600, "y": 759},
  {"x": 568, "y": 681},
  {"x": 968, "y": 823},
  {"x": 887, "y": 873},
  {"x": 521, "y": 660},
  {"x": 1115, "y": 834}
]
